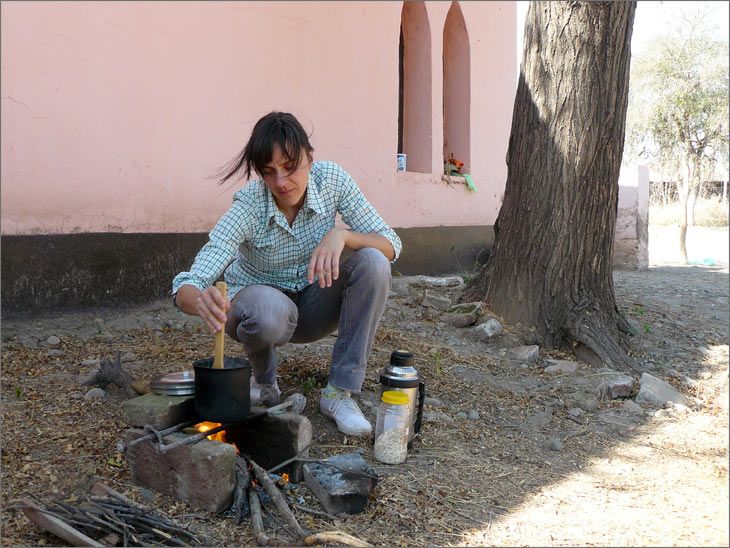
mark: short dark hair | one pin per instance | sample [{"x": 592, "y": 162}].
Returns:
[{"x": 280, "y": 129}]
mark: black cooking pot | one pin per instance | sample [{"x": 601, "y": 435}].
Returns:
[{"x": 223, "y": 395}]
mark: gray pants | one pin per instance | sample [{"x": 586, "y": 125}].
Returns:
[{"x": 262, "y": 318}]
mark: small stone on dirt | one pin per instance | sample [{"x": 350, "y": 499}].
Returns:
[
  {"x": 561, "y": 366},
  {"x": 461, "y": 415},
  {"x": 460, "y": 320},
  {"x": 616, "y": 385},
  {"x": 473, "y": 415},
  {"x": 129, "y": 357},
  {"x": 95, "y": 394},
  {"x": 90, "y": 361},
  {"x": 75, "y": 395},
  {"x": 53, "y": 340},
  {"x": 487, "y": 330},
  {"x": 433, "y": 402},
  {"x": 55, "y": 352},
  {"x": 555, "y": 444},
  {"x": 527, "y": 354},
  {"x": 575, "y": 412}
]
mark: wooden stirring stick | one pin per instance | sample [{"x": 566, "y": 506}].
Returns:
[{"x": 219, "y": 342}]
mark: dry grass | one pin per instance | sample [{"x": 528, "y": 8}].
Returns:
[{"x": 710, "y": 212}]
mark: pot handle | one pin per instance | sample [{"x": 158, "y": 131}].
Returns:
[{"x": 419, "y": 414}]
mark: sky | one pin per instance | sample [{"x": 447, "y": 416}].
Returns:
[{"x": 652, "y": 17}]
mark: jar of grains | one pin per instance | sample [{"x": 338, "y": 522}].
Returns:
[{"x": 391, "y": 427}]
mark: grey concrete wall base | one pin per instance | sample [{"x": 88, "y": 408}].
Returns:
[{"x": 62, "y": 272}]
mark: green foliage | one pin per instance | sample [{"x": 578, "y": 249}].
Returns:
[
  {"x": 646, "y": 327},
  {"x": 18, "y": 392},
  {"x": 678, "y": 104},
  {"x": 309, "y": 385},
  {"x": 638, "y": 310}
]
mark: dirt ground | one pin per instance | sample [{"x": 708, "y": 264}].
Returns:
[{"x": 620, "y": 475}]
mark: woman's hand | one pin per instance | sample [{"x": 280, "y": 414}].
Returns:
[
  {"x": 209, "y": 305},
  {"x": 212, "y": 307},
  {"x": 325, "y": 261}
]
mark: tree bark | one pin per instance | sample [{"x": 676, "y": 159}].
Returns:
[{"x": 551, "y": 266}]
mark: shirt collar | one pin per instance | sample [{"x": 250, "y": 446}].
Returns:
[{"x": 313, "y": 200}]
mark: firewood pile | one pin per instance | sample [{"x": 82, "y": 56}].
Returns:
[{"x": 108, "y": 518}]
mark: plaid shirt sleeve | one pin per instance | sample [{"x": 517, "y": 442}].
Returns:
[
  {"x": 236, "y": 225},
  {"x": 360, "y": 214}
]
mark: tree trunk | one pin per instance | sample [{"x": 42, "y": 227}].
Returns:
[
  {"x": 683, "y": 194},
  {"x": 551, "y": 266}
]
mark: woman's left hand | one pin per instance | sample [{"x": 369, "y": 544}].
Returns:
[{"x": 325, "y": 261}]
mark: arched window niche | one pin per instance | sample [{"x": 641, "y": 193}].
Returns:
[
  {"x": 457, "y": 83},
  {"x": 414, "y": 78}
]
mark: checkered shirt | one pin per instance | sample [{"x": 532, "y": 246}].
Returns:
[{"x": 254, "y": 244}]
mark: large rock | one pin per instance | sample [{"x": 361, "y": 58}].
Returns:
[
  {"x": 656, "y": 392},
  {"x": 158, "y": 411},
  {"x": 272, "y": 439},
  {"x": 430, "y": 281},
  {"x": 343, "y": 488},
  {"x": 201, "y": 474}
]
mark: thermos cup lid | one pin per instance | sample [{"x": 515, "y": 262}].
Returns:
[{"x": 401, "y": 358}]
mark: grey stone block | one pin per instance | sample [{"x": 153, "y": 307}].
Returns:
[
  {"x": 433, "y": 300},
  {"x": 615, "y": 385},
  {"x": 487, "y": 330},
  {"x": 158, "y": 411},
  {"x": 561, "y": 366},
  {"x": 344, "y": 489},
  {"x": 201, "y": 474},
  {"x": 527, "y": 354},
  {"x": 273, "y": 439},
  {"x": 656, "y": 392}
]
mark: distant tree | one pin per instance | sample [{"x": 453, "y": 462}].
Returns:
[
  {"x": 678, "y": 115},
  {"x": 551, "y": 265}
]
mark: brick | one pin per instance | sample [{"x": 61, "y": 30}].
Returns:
[
  {"x": 158, "y": 411},
  {"x": 273, "y": 439},
  {"x": 344, "y": 489},
  {"x": 201, "y": 474}
]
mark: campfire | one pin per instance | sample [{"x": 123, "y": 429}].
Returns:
[{"x": 217, "y": 436}]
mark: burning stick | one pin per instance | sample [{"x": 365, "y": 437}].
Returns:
[
  {"x": 257, "y": 523},
  {"x": 279, "y": 501}
]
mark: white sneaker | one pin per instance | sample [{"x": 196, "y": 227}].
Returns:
[
  {"x": 345, "y": 412},
  {"x": 265, "y": 394}
]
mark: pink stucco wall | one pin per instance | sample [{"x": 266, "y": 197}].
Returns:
[{"x": 116, "y": 114}]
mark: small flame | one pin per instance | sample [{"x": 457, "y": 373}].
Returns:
[{"x": 217, "y": 436}]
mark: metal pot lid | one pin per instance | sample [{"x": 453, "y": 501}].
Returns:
[{"x": 181, "y": 383}]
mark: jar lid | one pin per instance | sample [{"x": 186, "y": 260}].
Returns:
[
  {"x": 394, "y": 397},
  {"x": 175, "y": 384}
]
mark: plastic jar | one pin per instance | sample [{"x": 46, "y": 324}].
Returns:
[{"x": 392, "y": 427}]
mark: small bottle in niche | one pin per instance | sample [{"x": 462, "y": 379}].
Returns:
[{"x": 392, "y": 427}]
